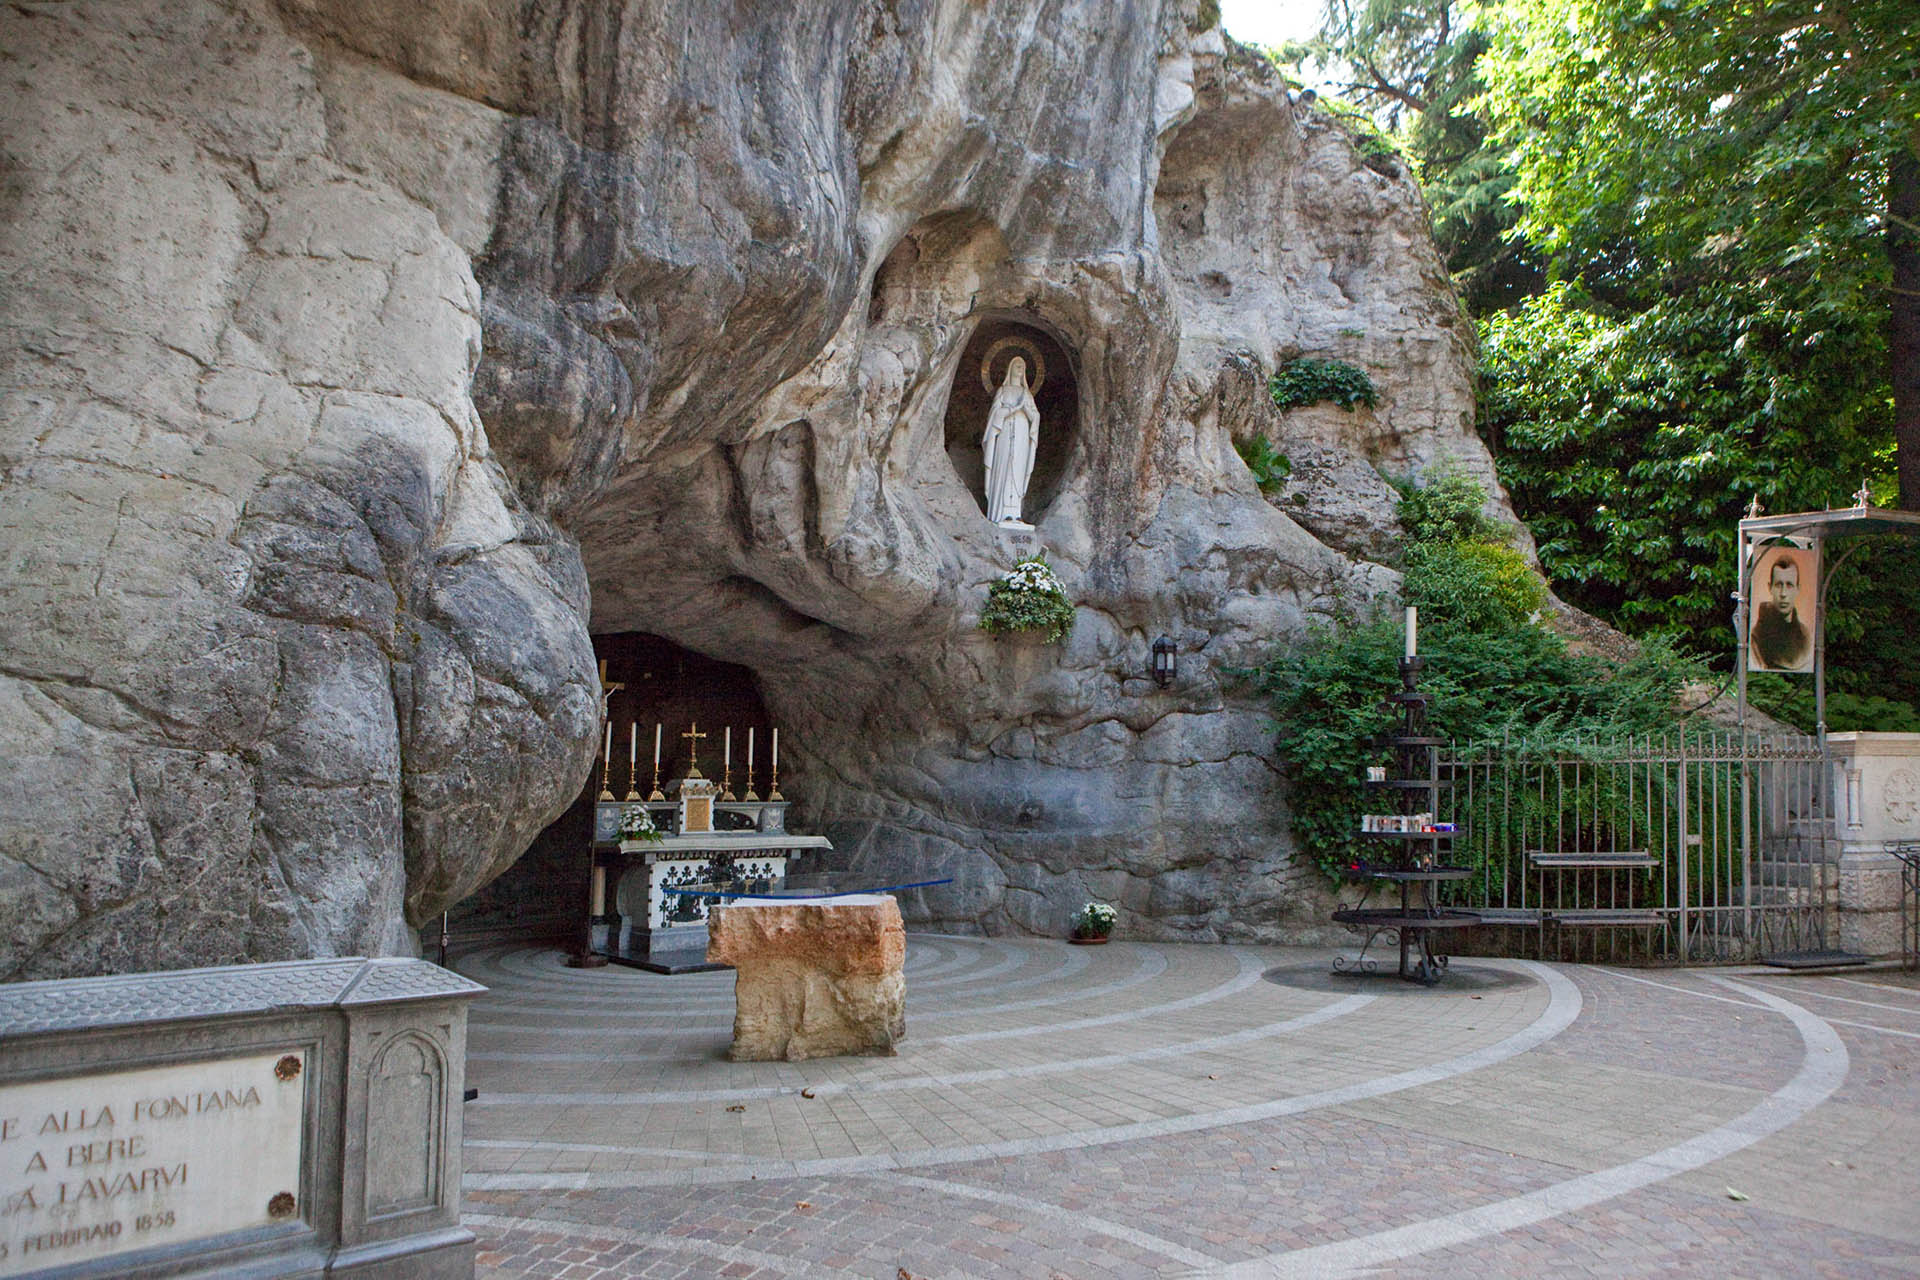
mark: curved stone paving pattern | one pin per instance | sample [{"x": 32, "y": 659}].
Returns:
[{"x": 1143, "y": 1110}]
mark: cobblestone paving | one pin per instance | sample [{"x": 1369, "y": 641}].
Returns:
[{"x": 1141, "y": 1110}]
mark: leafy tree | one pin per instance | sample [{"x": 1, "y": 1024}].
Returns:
[
  {"x": 1665, "y": 147},
  {"x": 1634, "y": 440}
]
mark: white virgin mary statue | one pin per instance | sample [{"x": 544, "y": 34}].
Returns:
[{"x": 1009, "y": 443}]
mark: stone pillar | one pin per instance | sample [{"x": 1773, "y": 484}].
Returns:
[
  {"x": 1876, "y": 786},
  {"x": 814, "y": 979}
]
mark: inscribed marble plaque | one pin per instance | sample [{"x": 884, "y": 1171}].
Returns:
[{"x": 92, "y": 1166}]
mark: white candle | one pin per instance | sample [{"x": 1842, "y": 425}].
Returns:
[
  {"x": 1413, "y": 624},
  {"x": 776, "y": 750},
  {"x": 608, "y": 758},
  {"x": 656, "y": 746},
  {"x": 749, "y": 757},
  {"x": 633, "y": 744},
  {"x": 728, "y": 762}
]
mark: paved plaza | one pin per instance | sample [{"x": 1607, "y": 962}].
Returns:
[{"x": 1235, "y": 1111}]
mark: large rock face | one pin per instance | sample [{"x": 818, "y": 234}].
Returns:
[{"x": 360, "y": 357}]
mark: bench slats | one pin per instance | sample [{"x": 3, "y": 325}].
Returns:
[
  {"x": 1508, "y": 915},
  {"x": 1606, "y": 917},
  {"x": 1553, "y": 860}
]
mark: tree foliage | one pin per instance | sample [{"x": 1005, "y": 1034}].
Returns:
[
  {"x": 1759, "y": 150},
  {"x": 1634, "y": 440}
]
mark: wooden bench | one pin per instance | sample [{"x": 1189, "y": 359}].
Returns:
[{"x": 1545, "y": 861}]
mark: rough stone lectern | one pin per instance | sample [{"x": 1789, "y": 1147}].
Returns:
[{"x": 814, "y": 979}]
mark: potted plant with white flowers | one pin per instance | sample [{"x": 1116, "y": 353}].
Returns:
[
  {"x": 1029, "y": 597},
  {"x": 1093, "y": 925},
  {"x": 637, "y": 829}
]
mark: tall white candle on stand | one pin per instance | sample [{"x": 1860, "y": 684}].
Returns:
[
  {"x": 776, "y": 750},
  {"x": 607, "y": 759},
  {"x": 1413, "y": 623},
  {"x": 656, "y": 746},
  {"x": 727, "y": 762},
  {"x": 633, "y": 745},
  {"x": 749, "y": 757}
]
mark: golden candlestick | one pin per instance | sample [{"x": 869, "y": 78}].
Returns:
[
  {"x": 773, "y": 784},
  {"x": 633, "y": 783},
  {"x": 606, "y": 791},
  {"x": 726, "y": 784}
]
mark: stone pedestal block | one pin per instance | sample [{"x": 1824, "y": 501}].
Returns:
[
  {"x": 1876, "y": 788},
  {"x": 814, "y": 979},
  {"x": 1870, "y": 902}
]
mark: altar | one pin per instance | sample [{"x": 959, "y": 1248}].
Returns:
[{"x": 739, "y": 847}]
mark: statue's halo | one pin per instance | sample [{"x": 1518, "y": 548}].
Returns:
[{"x": 993, "y": 365}]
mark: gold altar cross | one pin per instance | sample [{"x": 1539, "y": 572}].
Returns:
[{"x": 693, "y": 736}]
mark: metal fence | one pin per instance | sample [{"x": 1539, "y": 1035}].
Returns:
[{"x": 1695, "y": 846}]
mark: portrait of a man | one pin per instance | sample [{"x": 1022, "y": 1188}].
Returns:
[{"x": 1780, "y": 628}]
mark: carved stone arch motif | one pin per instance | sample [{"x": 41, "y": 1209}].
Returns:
[
  {"x": 406, "y": 1134},
  {"x": 998, "y": 338}
]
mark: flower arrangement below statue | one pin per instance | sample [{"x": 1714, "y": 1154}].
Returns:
[
  {"x": 1094, "y": 922},
  {"x": 636, "y": 827},
  {"x": 1029, "y": 597}
]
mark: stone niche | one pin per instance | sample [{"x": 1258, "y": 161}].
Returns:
[{"x": 983, "y": 362}]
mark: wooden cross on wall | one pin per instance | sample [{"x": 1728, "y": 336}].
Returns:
[{"x": 607, "y": 690}]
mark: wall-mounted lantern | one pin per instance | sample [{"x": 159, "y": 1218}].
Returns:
[{"x": 1164, "y": 668}]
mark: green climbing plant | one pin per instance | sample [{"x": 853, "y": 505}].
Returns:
[
  {"x": 1304, "y": 382},
  {"x": 1270, "y": 467}
]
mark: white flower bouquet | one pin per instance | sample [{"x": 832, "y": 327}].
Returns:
[{"x": 636, "y": 824}]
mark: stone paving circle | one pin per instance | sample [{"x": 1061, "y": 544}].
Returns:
[{"x": 1144, "y": 1110}]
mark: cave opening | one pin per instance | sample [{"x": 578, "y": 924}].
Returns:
[
  {"x": 544, "y": 894},
  {"x": 998, "y": 338}
]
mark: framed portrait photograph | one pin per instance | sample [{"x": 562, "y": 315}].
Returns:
[{"x": 1780, "y": 608}]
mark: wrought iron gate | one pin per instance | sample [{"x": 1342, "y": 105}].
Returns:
[{"x": 1695, "y": 846}]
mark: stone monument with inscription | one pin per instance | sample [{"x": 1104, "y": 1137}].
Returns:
[{"x": 260, "y": 1120}]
